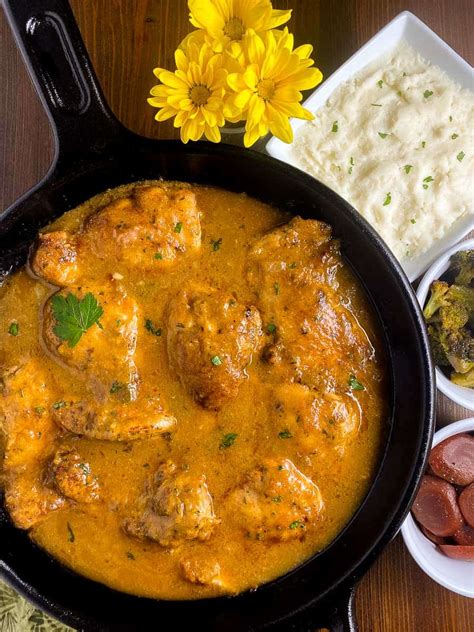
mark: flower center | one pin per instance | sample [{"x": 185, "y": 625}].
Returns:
[
  {"x": 266, "y": 89},
  {"x": 199, "y": 95},
  {"x": 234, "y": 29}
]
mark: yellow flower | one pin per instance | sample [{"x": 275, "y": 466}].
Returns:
[
  {"x": 194, "y": 94},
  {"x": 227, "y": 21},
  {"x": 268, "y": 88}
]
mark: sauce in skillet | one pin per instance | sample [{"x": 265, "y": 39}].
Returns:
[{"x": 220, "y": 422}]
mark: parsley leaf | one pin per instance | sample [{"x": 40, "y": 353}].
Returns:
[
  {"x": 427, "y": 94},
  {"x": 454, "y": 136},
  {"x": 74, "y": 317},
  {"x": 388, "y": 199},
  {"x": 335, "y": 127},
  {"x": 216, "y": 244},
  {"x": 14, "y": 329},
  {"x": 383, "y": 135},
  {"x": 355, "y": 385},
  {"x": 296, "y": 524},
  {"x": 460, "y": 156},
  {"x": 216, "y": 361},
  {"x": 271, "y": 328},
  {"x": 380, "y": 83},
  {"x": 228, "y": 440},
  {"x": 408, "y": 168},
  {"x": 149, "y": 326},
  {"x": 178, "y": 227},
  {"x": 285, "y": 434},
  {"x": 158, "y": 255}
]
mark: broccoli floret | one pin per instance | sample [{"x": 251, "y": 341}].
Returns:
[
  {"x": 439, "y": 356},
  {"x": 437, "y": 299},
  {"x": 459, "y": 348},
  {"x": 462, "y": 265},
  {"x": 464, "y": 379},
  {"x": 458, "y": 307}
]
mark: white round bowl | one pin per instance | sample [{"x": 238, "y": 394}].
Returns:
[
  {"x": 455, "y": 575},
  {"x": 459, "y": 394}
]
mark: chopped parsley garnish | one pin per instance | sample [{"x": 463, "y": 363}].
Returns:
[
  {"x": 130, "y": 555},
  {"x": 216, "y": 244},
  {"x": 178, "y": 227},
  {"x": 58, "y": 405},
  {"x": 149, "y": 326},
  {"x": 158, "y": 255},
  {"x": 354, "y": 384},
  {"x": 460, "y": 156},
  {"x": 450, "y": 119},
  {"x": 277, "y": 499},
  {"x": 376, "y": 105},
  {"x": 297, "y": 524},
  {"x": 292, "y": 265},
  {"x": 74, "y": 317},
  {"x": 116, "y": 386},
  {"x": 380, "y": 83},
  {"x": 408, "y": 168},
  {"x": 427, "y": 94},
  {"x": 454, "y": 136},
  {"x": 276, "y": 287},
  {"x": 335, "y": 127},
  {"x": 351, "y": 162},
  {"x": 285, "y": 434},
  {"x": 271, "y": 328},
  {"x": 383, "y": 135},
  {"x": 228, "y": 440},
  {"x": 426, "y": 181},
  {"x": 216, "y": 361},
  {"x": 14, "y": 329},
  {"x": 39, "y": 410},
  {"x": 70, "y": 533},
  {"x": 423, "y": 143},
  {"x": 413, "y": 220},
  {"x": 388, "y": 199}
]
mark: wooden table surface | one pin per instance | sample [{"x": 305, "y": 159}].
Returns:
[{"x": 126, "y": 39}]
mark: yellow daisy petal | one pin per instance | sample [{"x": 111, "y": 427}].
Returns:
[
  {"x": 164, "y": 114},
  {"x": 212, "y": 133}
]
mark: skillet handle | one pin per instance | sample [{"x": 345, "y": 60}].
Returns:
[{"x": 51, "y": 44}]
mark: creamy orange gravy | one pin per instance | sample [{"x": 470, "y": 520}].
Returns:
[{"x": 90, "y": 538}]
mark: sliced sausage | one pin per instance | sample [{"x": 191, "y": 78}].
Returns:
[
  {"x": 464, "y": 535},
  {"x": 466, "y": 504},
  {"x": 437, "y": 539},
  {"x": 436, "y": 507},
  {"x": 453, "y": 459},
  {"x": 457, "y": 552}
]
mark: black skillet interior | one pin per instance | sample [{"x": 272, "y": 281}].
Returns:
[{"x": 95, "y": 152}]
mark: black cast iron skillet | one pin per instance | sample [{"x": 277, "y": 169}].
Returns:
[{"x": 94, "y": 152}]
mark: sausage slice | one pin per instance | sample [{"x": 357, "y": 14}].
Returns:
[
  {"x": 466, "y": 504},
  {"x": 457, "y": 552},
  {"x": 453, "y": 459},
  {"x": 436, "y": 507}
]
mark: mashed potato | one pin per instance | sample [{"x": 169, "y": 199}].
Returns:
[{"x": 396, "y": 141}]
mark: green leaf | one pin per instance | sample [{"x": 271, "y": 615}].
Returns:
[
  {"x": 158, "y": 256},
  {"x": 14, "y": 329},
  {"x": 297, "y": 524},
  {"x": 74, "y": 317},
  {"x": 460, "y": 156},
  {"x": 216, "y": 244},
  {"x": 427, "y": 94},
  {"x": 355, "y": 385},
  {"x": 228, "y": 440},
  {"x": 388, "y": 199},
  {"x": 285, "y": 434},
  {"x": 178, "y": 227},
  {"x": 383, "y": 135},
  {"x": 149, "y": 326},
  {"x": 216, "y": 361},
  {"x": 380, "y": 83},
  {"x": 335, "y": 127},
  {"x": 271, "y": 328},
  {"x": 454, "y": 136},
  {"x": 408, "y": 168}
]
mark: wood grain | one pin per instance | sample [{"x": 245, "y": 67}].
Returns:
[{"x": 126, "y": 39}]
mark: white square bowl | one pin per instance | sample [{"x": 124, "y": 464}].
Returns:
[{"x": 431, "y": 47}]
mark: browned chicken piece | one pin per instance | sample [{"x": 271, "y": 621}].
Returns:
[
  {"x": 176, "y": 506},
  {"x": 201, "y": 570},
  {"x": 115, "y": 421},
  {"x": 105, "y": 353},
  {"x": 25, "y": 406},
  {"x": 149, "y": 229},
  {"x": 276, "y": 502},
  {"x": 73, "y": 477},
  {"x": 211, "y": 339},
  {"x": 316, "y": 421},
  {"x": 54, "y": 258},
  {"x": 293, "y": 269}
]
